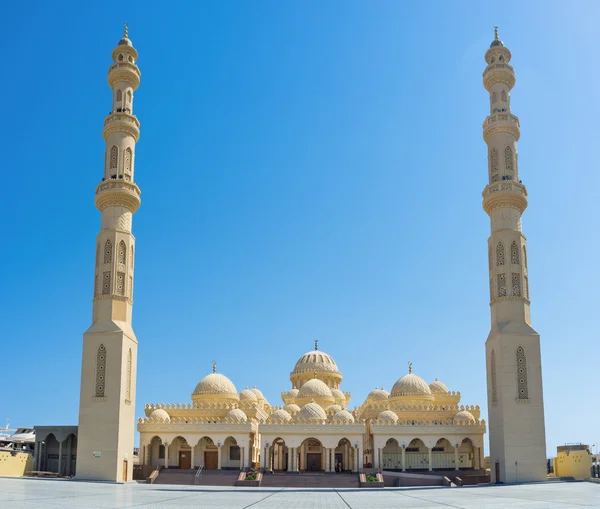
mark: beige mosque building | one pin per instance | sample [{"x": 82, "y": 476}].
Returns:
[{"x": 415, "y": 426}]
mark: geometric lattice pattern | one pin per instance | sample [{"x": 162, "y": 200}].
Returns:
[
  {"x": 500, "y": 254},
  {"x": 516, "y": 284},
  {"x": 106, "y": 282},
  {"x": 514, "y": 253},
  {"x": 108, "y": 250},
  {"x": 494, "y": 161},
  {"x": 522, "y": 391},
  {"x": 122, "y": 253},
  {"x": 120, "y": 290},
  {"x": 501, "y": 285},
  {"x": 114, "y": 155},
  {"x": 127, "y": 162},
  {"x": 508, "y": 158},
  {"x": 100, "y": 371},
  {"x": 494, "y": 388},
  {"x": 526, "y": 287}
]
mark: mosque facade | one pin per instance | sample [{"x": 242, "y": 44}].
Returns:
[{"x": 415, "y": 426}]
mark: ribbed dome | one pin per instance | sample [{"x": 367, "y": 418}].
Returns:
[
  {"x": 292, "y": 393},
  {"x": 344, "y": 416},
  {"x": 292, "y": 409},
  {"x": 464, "y": 416},
  {"x": 258, "y": 394},
  {"x": 411, "y": 385},
  {"x": 248, "y": 395},
  {"x": 161, "y": 414},
  {"x": 334, "y": 409},
  {"x": 315, "y": 360},
  {"x": 314, "y": 388},
  {"x": 280, "y": 415},
  {"x": 338, "y": 395},
  {"x": 236, "y": 415},
  {"x": 388, "y": 416},
  {"x": 312, "y": 411},
  {"x": 377, "y": 395},
  {"x": 125, "y": 42},
  {"x": 438, "y": 387},
  {"x": 216, "y": 384}
]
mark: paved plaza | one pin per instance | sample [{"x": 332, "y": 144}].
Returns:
[{"x": 20, "y": 493}]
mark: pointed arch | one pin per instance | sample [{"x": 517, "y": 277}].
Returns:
[
  {"x": 522, "y": 390},
  {"x": 514, "y": 253},
  {"x": 129, "y": 96},
  {"x": 500, "y": 254},
  {"x": 127, "y": 161},
  {"x": 503, "y": 96},
  {"x": 508, "y": 158},
  {"x": 128, "y": 379},
  {"x": 494, "y": 160},
  {"x": 131, "y": 258},
  {"x": 114, "y": 157},
  {"x": 501, "y": 285},
  {"x": 119, "y": 95},
  {"x": 100, "y": 371},
  {"x": 122, "y": 253},
  {"x": 516, "y": 284},
  {"x": 108, "y": 250},
  {"x": 494, "y": 97},
  {"x": 493, "y": 375}
]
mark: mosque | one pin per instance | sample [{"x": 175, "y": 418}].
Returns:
[{"x": 415, "y": 426}]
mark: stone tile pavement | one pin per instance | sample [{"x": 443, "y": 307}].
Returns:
[{"x": 20, "y": 493}]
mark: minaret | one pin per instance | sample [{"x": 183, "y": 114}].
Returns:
[
  {"x": 108, "y": 371},
  {"x": 514, "y": 371}
]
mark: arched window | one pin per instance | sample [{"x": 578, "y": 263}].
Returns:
[
  {"x": 119, "y": 95},
  {"x": 503, "y": 96},
  {"x": 494, "y": 97},
  {"x": 106, "y": 282},
  {"x": 129, "y": 96},
  {"x": 128, "y": 380},
  {"x": 120, "y": 290},
  {"x": 127, "y": 162},
  {"x": 514, "y": 253},
  {"x": 108, "y": 249},
  {"x": 114, "y": 156},
  {"x": 516, "y": 284},
  {"x": 500, "y": 58},
  {"x": 493, "y": 370},
  {"x": 522, "y": 392},
  {"x": 100, "y": 371},
  {"x": 122, "y": 253},
  {"x": 508, "y": 159},
  {"x": 500, "y": 254},
  {"x": 501, "y": 285},
  {"x": 494, "y": 160}
]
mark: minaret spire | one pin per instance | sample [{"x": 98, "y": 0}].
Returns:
[
  {"x": 515, "y": 401},
  {"x": 107, "y": 396}
]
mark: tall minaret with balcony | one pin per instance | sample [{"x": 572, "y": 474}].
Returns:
[
  {"x": 513, "y": 360},
  {"x": 108, "y": 372}
]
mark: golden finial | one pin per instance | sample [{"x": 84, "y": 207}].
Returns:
[
  {"x": 126, "y": 30},
  {"x": 214, "y": 366},
  {"x": 316, "y": 344},
  {"x": 496, "y": 33},
  {"x": 409, "y": 367},
  {"x": 315, "y": 373}
]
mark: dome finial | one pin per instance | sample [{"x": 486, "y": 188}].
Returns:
[
  {"x": 496, "y": 33},
  {"x": 315, "y": 373},
  {"x": 409, "y": 367},
  {"x": 126, "y": 30},
  {"x": 214, "y": 366},
  {"x": 316, "y": 344}
]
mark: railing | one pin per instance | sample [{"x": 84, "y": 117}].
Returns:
[{"x": 198, "y": 475}]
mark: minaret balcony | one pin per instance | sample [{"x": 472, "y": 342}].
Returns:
[
  {"x": 117, "y": 193},
  {"x": 121, "y": 122},
  {"x": 505, "y": 193},
  {"x": 498, "y": 73},
  {"x": 501, "y": 123},
  {"x": 124, "y": 72}
]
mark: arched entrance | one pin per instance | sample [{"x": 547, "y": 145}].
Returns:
[
  {"x": 343, "y": 456},
  {"x": 230, "y": 454},
  {"x": 442, "y": 455},
  {"x": 466, "y": 454},
  {"x": 209, "y": 453},
  {"x": 391, "y": 455},
  {"x": 417, "y": 455},
  {"x": 280, "y": 455},
  {"x": 312, "y": 455},
  {"x": 50, "y": 454},
  {"x": 156, "y": 452}
]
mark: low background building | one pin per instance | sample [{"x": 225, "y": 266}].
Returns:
[{"x": 572, "y": 460}]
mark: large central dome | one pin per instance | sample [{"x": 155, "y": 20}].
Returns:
[
  {"x": 213, "y": 386},
  {"x": 315, "y": 361}
]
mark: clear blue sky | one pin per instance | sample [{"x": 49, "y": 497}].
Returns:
[{"x": 309, "y": 170}]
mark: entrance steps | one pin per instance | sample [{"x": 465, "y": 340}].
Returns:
[
  {"x": 310, "y": 480},
  {"x": 188, "y": 477}
]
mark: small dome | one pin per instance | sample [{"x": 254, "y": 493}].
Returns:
[
  {"x": 344, "y": 416},
  {"x": 292, "y": 393},
  {"x": 160, "y": 414},
  {"x": 377, "y": 395},
  {"x": 464, "y": 416},
  {"x": 334, "y": 409},
  {"x": 388, "y": 416},
  {"x": 258, "y": 394},
  {"x": 438, "y": 387},
  {"x": 125, "y": 42},
  {"x": 216, "y": 384},
  {"x": 314, "y": 388},
  {"x": 248, "y": 395},
  {"x": 411, "y": 385},
  {"x": 280, "y": 415},
  {"x": 497, "y": 42},
  {"x": 337, "y": 394},
  {"x": 315, "y": 360},
  {"x": 236, "y": 415},
  {"x": 292, "y": 409},
  {"x": 312, "y": 411}
]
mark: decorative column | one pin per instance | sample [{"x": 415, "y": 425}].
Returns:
[
  {"x": 430, "y": 452},
  {"x": 241, "y": 457},
  {"x": 403, "y": 459},
  {"x": 166, "y": 454},
  {"x": 59, "y": 457},
  {"x": 327, "y": 459},
  {"x": 361, "y": 458},
  {"x": 456, "y": 457},
  {"x": 219, "y": 449},
  {"x": 192, "y": 453},
  {"x": 377, "y": 458},
  {"x": 38, "y": 446}
]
